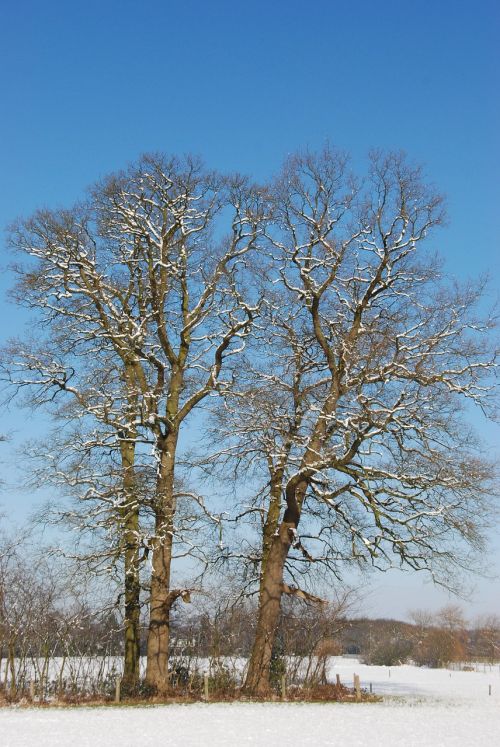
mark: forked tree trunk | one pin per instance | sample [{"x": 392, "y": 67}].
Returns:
[
  {"x": 161, "y": 599},
  {"x": 272, "y": 586},
  {"x": 257, "y": 679}
]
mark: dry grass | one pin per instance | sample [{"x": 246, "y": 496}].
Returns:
[{"x": 329, "y": 693}]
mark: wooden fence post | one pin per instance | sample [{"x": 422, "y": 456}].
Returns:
[
  {"x": 205, "y": 685},
  {"x": 283, "y": 687},
  {"x": 338, "y": 680},
  {"x": 32, "y": 689},
  {"x": 118, "y": 683},
  {"x": 357, "y": 687}
]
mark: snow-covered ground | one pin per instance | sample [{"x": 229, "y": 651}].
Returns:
[
  {"x": 418, "y": 682},
  {"x": 430, "y": 708}
]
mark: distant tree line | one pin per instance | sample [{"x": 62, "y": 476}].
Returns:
[{"x": 431, "y": 639}]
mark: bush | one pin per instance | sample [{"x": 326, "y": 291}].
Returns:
[{"x": 390, "y": 653}]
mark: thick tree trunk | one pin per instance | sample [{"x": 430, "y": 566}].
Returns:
[
  {"x": 257, "y": 679},
  {"x": 132, "y": 604},
  {"x": 130, "y": 517},
  {"x": 272, "y": 585},
  {"x": 161, "y": 599},
  {"x": 271, "y": 524}
]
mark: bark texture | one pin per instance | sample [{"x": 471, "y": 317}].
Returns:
[
  {"x": 162, "y": 598},
  {"x": 132, "y": 586},
  {"x": 257, "y": 680}
]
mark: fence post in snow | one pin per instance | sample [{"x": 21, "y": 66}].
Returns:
[
  {"x": 283, "y": 687},
  {"x": 489, "y": 689},
  {"x": 32, "y": 689},
  {"x": 118, "y": 683},
  {"x": 205, "y": 684},
  {"x": 357, "y": 687},
  {"x": 338, "y": 680}
]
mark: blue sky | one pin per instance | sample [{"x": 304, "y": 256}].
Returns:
[{"x": 86, "y": 87}]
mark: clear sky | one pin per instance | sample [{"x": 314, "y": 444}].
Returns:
[{"x": 85, "y": 87}]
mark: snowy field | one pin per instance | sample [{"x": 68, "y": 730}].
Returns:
[{"x": 421, "y": 707}]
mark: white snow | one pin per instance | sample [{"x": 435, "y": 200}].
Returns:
[
  {"x": 441, "y": 684},
  {"x": 421, "y": 708}
]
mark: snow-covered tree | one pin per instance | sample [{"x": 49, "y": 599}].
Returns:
[
  {"x": 349, "y": 405},
  {"x": 146, "y": 275},
  {"x": 354, "y": 409}
]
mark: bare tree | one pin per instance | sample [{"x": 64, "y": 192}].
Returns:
[
  {"x": 71, "y": 371},
  {"x": 191, "y": 298},
  {"x": 486, "y": 638},
  {"x": 144, "y": 275},
  {"x": 57, "y": 628},
  {"x": 347, "y": 411},
  {"x": 442, "y": 637},
  {"x": 366, "y": 444}
]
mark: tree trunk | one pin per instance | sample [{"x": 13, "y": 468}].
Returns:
[
  {"x": 272, "y": 522},
  {"x": 132, "y": 603},
  {"x": 272, "y": 588},
  {"x": 161, "y": 600},
  {"x": 130, "y": 515},
  {"x": 257, "y": 679},
  {"x": 12, "y": 667}
]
